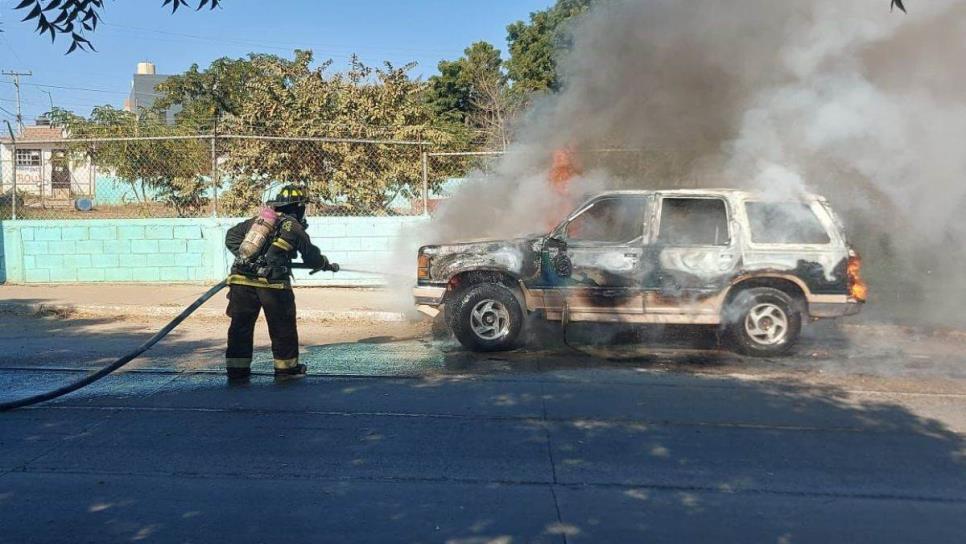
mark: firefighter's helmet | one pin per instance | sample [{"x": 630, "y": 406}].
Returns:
[{"x": 290, "y": 194}]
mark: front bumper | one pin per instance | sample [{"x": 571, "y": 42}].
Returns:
[{"x": 428, "y": 299}]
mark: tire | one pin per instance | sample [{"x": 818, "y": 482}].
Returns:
[
  {"x": 440, "y": 326},
  {"x": 486, "y": 317},
  {"x": 763, "y": 322}
]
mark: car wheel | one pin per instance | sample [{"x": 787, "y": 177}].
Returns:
[
  {"x": 486, "y": 317},
  {"x": 763, "y": 322}
]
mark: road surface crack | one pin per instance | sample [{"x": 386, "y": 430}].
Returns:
[{"x": 553, "y": 465}]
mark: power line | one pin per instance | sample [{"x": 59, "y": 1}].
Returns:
[
  {"x": 51, "y": 97},
  {"x": 286, "y": 46},
  {"x": 210, "y": 39},
  {"x": 68, "y": 88},
  {"x": 12, "y": 50}
]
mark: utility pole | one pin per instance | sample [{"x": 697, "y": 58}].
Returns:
[
  {"x": 16, "y": 83},
  {"x": 13, "y": 163}
]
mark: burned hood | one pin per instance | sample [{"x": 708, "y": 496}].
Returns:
[{"x": 517, "y": 257}]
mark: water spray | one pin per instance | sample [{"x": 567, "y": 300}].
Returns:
[{"x": 376, "y": 273}]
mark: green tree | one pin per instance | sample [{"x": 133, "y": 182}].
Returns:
[
  {"x": 291, "y": 98},
  {"x": 493, "y": 105},
  {"x": 75, "y": 17},
  {"x": 206, "y": 95},
  {"x": 171, "y": 171},
  {"x": 448, "y": 93},
  {"x": 534, "y": 46},
  {"x": 472, "y": 92},
  {"x": 452, "y": 93}
]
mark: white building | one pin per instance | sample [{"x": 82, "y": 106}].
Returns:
[
  {"x": 45, "y": 174},
  {"x": 144, "y": 91}
]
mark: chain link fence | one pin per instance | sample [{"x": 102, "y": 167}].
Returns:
[
  {"x": 208, "y": 175},
  {"x": 231, "y": 175}
]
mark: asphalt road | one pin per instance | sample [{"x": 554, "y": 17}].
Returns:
[{"x": 396, "y": 437}]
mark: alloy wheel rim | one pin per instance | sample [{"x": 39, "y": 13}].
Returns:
[
  {"x": 490, "y": 319},
  {"x": 766, "y": 324}
]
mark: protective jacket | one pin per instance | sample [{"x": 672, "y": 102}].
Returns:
[{"x": 272, "y": 268}]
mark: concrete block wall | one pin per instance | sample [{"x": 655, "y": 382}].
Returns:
[
  {"x": 3, "y": 257},
  {"x": 179, "y": 250}
]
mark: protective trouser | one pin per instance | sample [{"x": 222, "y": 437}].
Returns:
[{"x": 244, "y": 304}]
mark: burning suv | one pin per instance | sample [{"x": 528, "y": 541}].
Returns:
[{"x": 752, "y": 266}]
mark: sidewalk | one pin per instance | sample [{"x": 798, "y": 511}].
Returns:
[{"x": 167, "y": 301}]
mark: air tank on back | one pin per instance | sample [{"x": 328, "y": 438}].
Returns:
[{"x": 258, "y": 235}]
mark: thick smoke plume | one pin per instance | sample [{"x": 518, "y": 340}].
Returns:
[{"x": 839, "y": 97}]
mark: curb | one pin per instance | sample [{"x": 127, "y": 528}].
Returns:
[{"x": 123, "y": 310}]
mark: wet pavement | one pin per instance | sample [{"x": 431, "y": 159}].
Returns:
[{"x": 405, "y": 438}]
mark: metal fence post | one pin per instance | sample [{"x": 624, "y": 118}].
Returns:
[
  {"x": 40, "y": 182},
  {"x": 13, "y": 164},
  {"x": 425, "y": 183},
  {"x": 214, "y": 175}
]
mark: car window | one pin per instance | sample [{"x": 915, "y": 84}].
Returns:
[
  {"x": 784, "y": 223},
  {"x": 614, "y": 220},
  {"x": 694, "y": 222}
]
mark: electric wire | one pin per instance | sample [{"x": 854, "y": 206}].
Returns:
[{"x": 285, "y": 46}]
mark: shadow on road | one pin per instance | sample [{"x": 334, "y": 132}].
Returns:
[
  {"x": 586, "y": 453},
  {"x": 79, "y": 341}
]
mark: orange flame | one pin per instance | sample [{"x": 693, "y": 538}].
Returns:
[
  {"x": 858, "y": 289},
  {"x": 563, "y": 168}
]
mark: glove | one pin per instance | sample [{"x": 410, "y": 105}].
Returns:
[
  {"x": 330, "y": 266},
  {"x": 325, "y": 263}
]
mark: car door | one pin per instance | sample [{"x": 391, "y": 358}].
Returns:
[
  {"x": 692, "y": 255},
  {"x": 604, "y": 243}
]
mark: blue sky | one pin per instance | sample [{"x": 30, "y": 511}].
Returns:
[{"x": 423, "y": 31}]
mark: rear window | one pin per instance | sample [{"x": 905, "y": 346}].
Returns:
[
  {"x": 784, "y": 223},
  {"x": 694, "y": 222}
]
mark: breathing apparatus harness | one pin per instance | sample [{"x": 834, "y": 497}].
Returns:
[
  {"x": 255, "y": 262},
  {"x": 265, "y": 231}
]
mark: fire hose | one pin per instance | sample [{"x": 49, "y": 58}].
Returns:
[{"x": 125, "y": 359}]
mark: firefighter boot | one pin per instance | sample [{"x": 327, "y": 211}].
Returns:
[
  {"x": 291, "y": 372},
  {"x": 238, "y": 376}
]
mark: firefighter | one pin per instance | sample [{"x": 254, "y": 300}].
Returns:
[{"x": 263, "y": 282}]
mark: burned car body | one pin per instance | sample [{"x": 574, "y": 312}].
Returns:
[{"x": 754, "y": 266}]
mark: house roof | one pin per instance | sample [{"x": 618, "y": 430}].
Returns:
[{"x": 38, "y": 133}]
